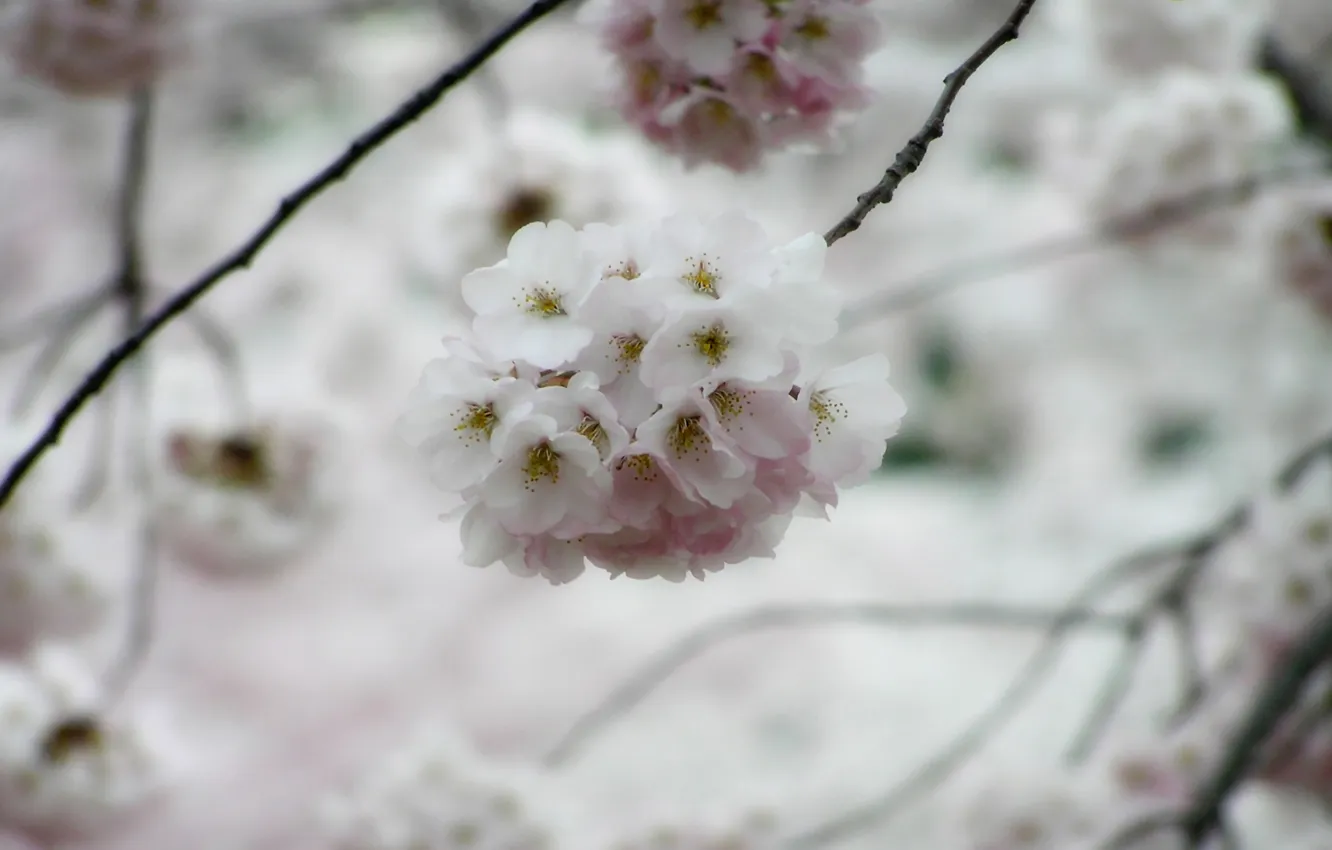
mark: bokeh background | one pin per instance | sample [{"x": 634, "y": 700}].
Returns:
[{"x": 1074, "y": 396}]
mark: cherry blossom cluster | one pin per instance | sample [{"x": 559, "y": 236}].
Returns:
[
  {"x": 93, "y": 48},
  {"x": 66, "y": 771},
  {"x": 725, "y": 80},
  {"x": 243, "y": 502},
  {"x": 44, "y": 593},
  {"x": 1184, "y": 133},
  {"x": 431, "y": 797},
  {"x": 647, "y": 399}
]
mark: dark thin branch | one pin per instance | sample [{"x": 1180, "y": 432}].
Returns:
[
  {"x": 910, "y": 157},
  {"x": 634, "y": 690},
  {"x": 364, "y": 144}
]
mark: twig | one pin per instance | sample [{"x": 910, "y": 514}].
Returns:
[
  {"x": 945, "y": 763},
  {"x": 361, "y": 147},
  {"x": 635, "y": 689},
  {"x": 132, "y": 291},
  {"x": 910, "y": 157}
]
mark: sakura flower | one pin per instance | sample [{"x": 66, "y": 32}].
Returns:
[
  {"x": 546, "y": 477},
  {"x": 452, "y": 417},
  {"x": 526, "y": 304},
  {"x": 827, "y": 39},
  {"x": 855, "y": 411},
  {"x": 1300, "y": 245},
  {"x": 726, "y": 81},
  {"x": 66, "y": 770},
  {"x": 720, "y": 343},
  {"x": 247, "y": 501},
  {"x": 706, "y": 468},
  {"x": 703, "y": 33},
  {"x": 760, "y": 422},
  {"x": 694, "y": 261}
]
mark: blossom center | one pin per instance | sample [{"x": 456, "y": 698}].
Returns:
[
  {"x": 703, "y": 14},
  {"x": 762, "y": 67},
  {"x": 542, "y": 462},
  {"x": 814, "y": 28},
  {"x": 1318, "y": 532},
  {"x": 544, "y": 303},
  {"x": 477, "y": 422},
  {"x": 827, "y": 413},
  {"x": 80, "y": 732},
  {"x": 701, "y": 277},
  {"x": 631, "y": 348},
  {"x": 712, "y": 343},
  {"x": 728, "y": 403},
  {"x": 1325, "y": 228},
  {"x": 643, "y": 466},
  {"x": 591, "y": 428},
  {"x": 627, "y": 270},
  {"x": 686, "y": 435}
]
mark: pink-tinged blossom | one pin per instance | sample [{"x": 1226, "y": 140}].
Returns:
[
  {"x": 725, "y": 81},
  {"x": 546, "y": 478},
  {"x": 710, "y": 471},
  {"x": 703, "y": 33},
  {"x": 855, "y": 411},
  {"x": 94, "y": 48},
  {"x": 526, "y": 304},
  {"x": 452, "y": 416},
  {"x": 679, "y": 440}
]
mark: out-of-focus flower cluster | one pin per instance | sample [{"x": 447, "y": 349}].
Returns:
[
  {"x": 244, "y": 501},
  {"x": 1142, "y": 38},
  {"x": 66, "y": 770},
  {"x": 726, "y": 80},
  {"x": 1174, "y": 138},
  {"x": 646, "y": 398},
  {"x": 93, "y": 48},
  {"x": 430, "y": 797}
]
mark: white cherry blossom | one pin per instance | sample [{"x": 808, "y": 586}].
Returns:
[{"x": 525, "y": 305}]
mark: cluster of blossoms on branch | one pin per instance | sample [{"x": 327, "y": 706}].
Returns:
[
  {"x": 725, "y": 80},
  {"x": 647, "y": 399}
]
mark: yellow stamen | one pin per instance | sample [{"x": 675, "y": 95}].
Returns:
[
  {"x": 814, "y": 28},
  {"x": 687, "y": 436},
  {"x": 728, "y": 403},
  {"x": 545, "y": 303},
  {"x": 712, "y": 343},
  {"x": 477, "y": 422},
  {"x": 631, "y": 349},
  {"x": 702, "y": 279},
  {"x": 704, "y": 14},
  {"x": 595, "y": 434},
  {"x": 827, "y": 413},
  {"x": 542, "y": 462}
]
